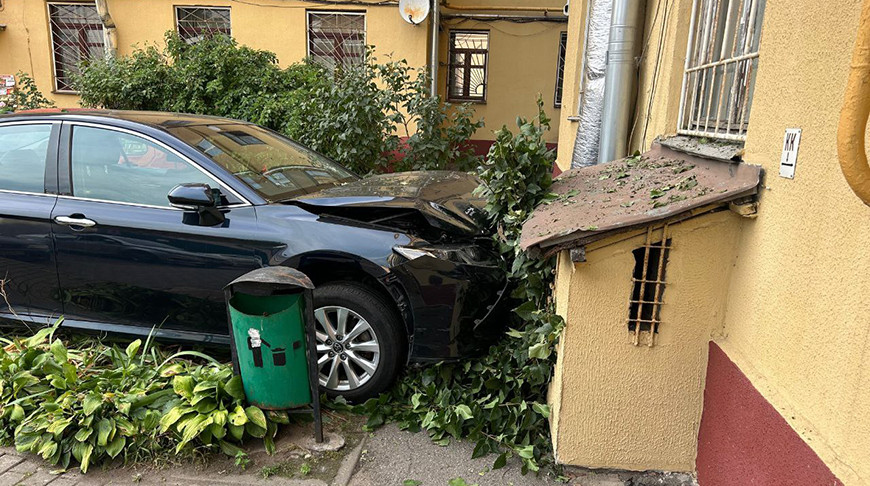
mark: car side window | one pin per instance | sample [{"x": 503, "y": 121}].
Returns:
[
  {"x": 116, "y": 166},
  {"x": 23, "y": 152}
]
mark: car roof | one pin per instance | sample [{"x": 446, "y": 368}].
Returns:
[{"x": 156, "y": 119}]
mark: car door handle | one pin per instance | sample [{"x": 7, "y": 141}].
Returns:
[{"x": 69, "y": 221}]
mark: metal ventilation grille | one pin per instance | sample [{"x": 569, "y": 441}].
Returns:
[
  {"x": 644, "y": 307},
  {"x": 469, "y": 52},
  {"x": 197, "y": 23},
  {"x": 76, "y": 35},
  {"x": 721, "y": 66},
  {"x": 337, "y": 38}
]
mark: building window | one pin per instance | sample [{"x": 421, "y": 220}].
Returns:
[
  {"x": 469, "y": 53},
  {"x": 195, "y": 23},
  {"x": 337, "y": 38},
  {"x": 721, "y": 67},
  {"x": 560, "y": 69},
  {"x": 76, "y": 36}
]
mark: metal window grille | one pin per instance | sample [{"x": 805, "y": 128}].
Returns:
[
  {"x": 721, "y": 66},
  {"x": 469, "y": 53},
  {"x": 76, "y": 36},
  {"x": 196, "y": 23},
  {"x": 560, "y": 69},
  {"x": 337, "y": 38},
  {"x": 644, "y": 307}
]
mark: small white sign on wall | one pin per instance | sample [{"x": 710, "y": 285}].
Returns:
[{"x": 790, "y": 144}]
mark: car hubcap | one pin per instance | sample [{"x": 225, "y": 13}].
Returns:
[{"x": 348, "y": 351}]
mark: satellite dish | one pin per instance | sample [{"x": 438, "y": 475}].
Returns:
[{"x": 414, "y": 11}]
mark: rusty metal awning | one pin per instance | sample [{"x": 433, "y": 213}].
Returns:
[{"x": 660, "y": 184}]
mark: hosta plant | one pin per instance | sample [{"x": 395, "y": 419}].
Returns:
[{"x": 94, "y": 402}]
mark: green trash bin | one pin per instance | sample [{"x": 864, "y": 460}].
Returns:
[{"x": 271, "y": 323}]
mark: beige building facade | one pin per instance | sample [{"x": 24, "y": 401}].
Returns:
[{"x": 519, "y": 44}]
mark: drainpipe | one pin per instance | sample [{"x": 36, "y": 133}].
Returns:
[
  {"x": 856, "y": 109},
  {"x": 619, "y": 79},
  {"x": 110, "y": 33},
  {"x": 433, "y": 59}
]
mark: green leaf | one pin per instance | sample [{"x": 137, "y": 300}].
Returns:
[
  {"x": 480, "y": 449},
  {"x": 132, "y": 349},
  {"x": 463, "y": 411},
  {"x": 59, "y": 351},
  {"x": 540, "y": 351},
  {"x": 256, "y": 416},
  {"x": 411, "y": 482},
  {"x": 234, "y": 388},
  {"x": 500, "y": 461},
  {"x": 116, "y": 446},
  {"x": 183, "y": 386},
  {"x": 238, "y": 417},
  {"x": 86, "y": 457},
  {"x": 83, "y": 434},
  {"x": 105, "y": 430},
  {"x": 541, "y": 409},
  {"x": 91, "y": 403},
  {"x": 236, "y": 431},
  {"x": 526, "y": 452},
  {"x": 173, "y": 416}
]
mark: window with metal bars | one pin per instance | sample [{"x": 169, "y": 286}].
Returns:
[
  {"x": 196, "y": 23},
  {"x": 648, "y": 278},
  {"x": 721, "y": 67},
  {"x": 467, "y": 76},
  {"x": 76, "y": 36},
  {"x": 560, "y": 69},
  {"x": 337, "y": 38}
]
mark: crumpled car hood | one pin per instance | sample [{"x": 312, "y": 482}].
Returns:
[{"x": 443, "y": 198}]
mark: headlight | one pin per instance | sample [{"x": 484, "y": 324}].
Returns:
[{"x": 466, "y": 254}]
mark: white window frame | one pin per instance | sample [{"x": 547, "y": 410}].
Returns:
[
  {"x": 704, "y": 58},
  {"x": 333, "y": 12},
  {"x": 204, "y": 7}
]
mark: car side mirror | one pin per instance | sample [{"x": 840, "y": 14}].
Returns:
[
  {"x": 192, "y": 196},
  {"x": 200, "y": 203}
]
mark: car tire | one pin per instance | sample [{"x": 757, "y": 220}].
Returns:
[{"x": 362, "y": 309}]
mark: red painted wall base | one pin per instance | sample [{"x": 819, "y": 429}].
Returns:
[{"x": 743, "y": 440}]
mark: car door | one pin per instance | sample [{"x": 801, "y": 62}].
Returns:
[
  {"x": 28, "y": 276},
  {"x": 127, "y": 260}
]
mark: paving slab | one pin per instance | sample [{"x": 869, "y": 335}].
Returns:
[{"x": 392, "y": 456}]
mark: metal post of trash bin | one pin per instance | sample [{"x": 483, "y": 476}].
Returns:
[{"x": 265, "y": 303}]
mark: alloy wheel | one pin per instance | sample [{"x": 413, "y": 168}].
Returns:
[{"x": 348, "y": 350}]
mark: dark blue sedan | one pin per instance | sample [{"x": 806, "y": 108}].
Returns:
[{"x": 126, "y": 221}]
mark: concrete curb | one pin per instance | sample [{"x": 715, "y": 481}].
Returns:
[{"x": 348, "y": 465}]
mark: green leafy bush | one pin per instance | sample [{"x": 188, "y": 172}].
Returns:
[
  {"x": 95, "y": 402},
  {"x": 498, "y": 400},
  {"x": 25, "y": 97},
  {"x": 355, "y": 114}
]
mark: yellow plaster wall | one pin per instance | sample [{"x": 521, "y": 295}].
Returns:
[
  {"x": 660, "y": 73},
  {"x": 799, "y": 309},
  {"x": 522, "y": 63},
  {"x": 620, "y": 406},
  {"x": 270, "y": 25},
  {"x": 571, "y": 82}
]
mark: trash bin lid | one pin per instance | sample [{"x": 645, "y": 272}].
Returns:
[{"x": 272, "y": 278}]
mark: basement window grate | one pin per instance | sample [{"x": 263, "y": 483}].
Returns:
[{"x": 644, "y": 306}]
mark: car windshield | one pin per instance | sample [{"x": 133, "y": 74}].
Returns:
[{"x": 275, "y": 167}]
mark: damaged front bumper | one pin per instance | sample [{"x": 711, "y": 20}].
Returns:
[{"x": 455, "y": 310}]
